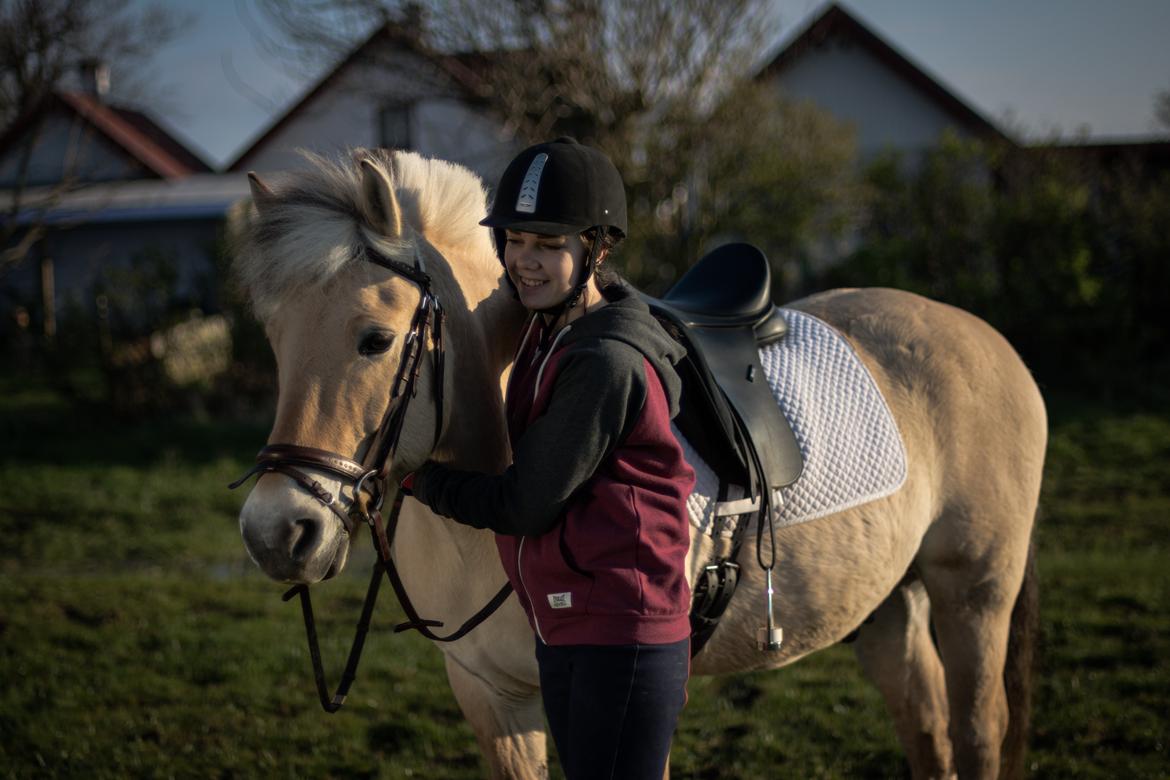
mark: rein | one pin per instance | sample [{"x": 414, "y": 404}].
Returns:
[{"x": 369, "y": 486}]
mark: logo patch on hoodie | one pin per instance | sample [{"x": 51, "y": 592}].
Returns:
[{"x": 560, "y": 600}]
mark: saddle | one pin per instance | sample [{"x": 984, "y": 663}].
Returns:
[{"x": 722, "y": 312}]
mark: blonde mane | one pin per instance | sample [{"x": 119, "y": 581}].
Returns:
[{"x": 312, "y": 225}]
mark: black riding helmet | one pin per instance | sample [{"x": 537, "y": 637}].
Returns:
[{"x": 560, "y": 188}]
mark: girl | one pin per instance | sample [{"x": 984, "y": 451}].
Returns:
[{"x": 590, "y": 517}]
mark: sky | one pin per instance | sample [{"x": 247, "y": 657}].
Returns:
[{"x": 1036, "y": 68}]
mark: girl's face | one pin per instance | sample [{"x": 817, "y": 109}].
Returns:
[{"x": 543, "y": 268}]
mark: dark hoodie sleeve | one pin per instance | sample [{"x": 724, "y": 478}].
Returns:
[{"x": 596, "y": 399}]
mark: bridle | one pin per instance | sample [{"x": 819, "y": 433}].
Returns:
[{"x": 368, "y": 480}]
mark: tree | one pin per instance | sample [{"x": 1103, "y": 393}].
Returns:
[
  {"x": 652, "y": 83},
  {"x": 43, "y": 46}
]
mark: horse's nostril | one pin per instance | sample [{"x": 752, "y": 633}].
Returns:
[{"x": 304, "y": 536}]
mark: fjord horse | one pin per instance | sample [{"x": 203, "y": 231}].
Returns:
[{"x": 943, "y": 567}]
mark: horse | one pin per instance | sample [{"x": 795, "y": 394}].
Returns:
[{"x": 940, "y": 571}]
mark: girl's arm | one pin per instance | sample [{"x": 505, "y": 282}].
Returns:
[{"x": 596, "y": 399}]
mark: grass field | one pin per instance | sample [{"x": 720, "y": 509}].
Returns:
[{"x": 137, "y": 640}]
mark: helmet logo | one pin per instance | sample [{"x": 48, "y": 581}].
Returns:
[{"x": 526, "y": 202}]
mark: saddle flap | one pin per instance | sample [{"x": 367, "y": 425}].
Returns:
[
  {"x": 733, "y": 358},
  {"x": 722, "y": 377}
]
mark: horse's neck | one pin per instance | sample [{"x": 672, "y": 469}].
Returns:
[
  {"x": 477, "y": 432},
  {"x": 476, "y": 439}
]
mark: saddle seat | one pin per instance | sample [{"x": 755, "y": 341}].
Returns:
[{"x": 730, "y": 287}]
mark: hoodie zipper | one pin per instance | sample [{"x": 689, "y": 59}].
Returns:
[
  {"x": 523, "y": 584},
  {"x": 520, "y": 550}
]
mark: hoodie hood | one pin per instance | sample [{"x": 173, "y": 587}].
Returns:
[{"x": 627, "y": 318}]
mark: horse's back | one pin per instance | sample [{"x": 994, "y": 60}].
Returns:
[{"x": 935, "y": 357}]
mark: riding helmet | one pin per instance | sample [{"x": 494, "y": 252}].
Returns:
[{"x": 558, "y": 188}]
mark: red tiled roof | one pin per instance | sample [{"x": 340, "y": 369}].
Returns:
[
  {"x": 138, "y": 135},
  {"x": 837, "y": 22}
]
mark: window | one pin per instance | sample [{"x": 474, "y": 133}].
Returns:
[{"x": 394, "y": 130}]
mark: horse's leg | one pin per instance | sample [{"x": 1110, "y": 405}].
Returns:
[
  {"x": 973, "y": 569},
  {"x": 897, "y": 654},
  {"x": 508, "y": 722}
]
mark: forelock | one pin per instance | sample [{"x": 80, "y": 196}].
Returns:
[{"x": 312, "y": 227}]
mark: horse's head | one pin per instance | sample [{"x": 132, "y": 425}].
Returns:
[{"x": 317, "y": 254}]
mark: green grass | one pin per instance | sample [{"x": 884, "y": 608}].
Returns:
[
  {"x": 146, "y": 675},
  {"x": 137, "y": 640}
]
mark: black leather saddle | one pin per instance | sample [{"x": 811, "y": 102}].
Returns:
[{"x": 722, "y": 312}]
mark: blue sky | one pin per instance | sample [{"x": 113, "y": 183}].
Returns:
[{"x": 1035, "y": 67}]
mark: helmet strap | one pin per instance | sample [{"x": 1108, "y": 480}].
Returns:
[{"x": 574, "y": 296}]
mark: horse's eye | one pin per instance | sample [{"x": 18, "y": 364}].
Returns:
[{"x": 374, "y": 343}]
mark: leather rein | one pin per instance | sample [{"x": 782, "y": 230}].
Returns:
[{"x": 369, "y": 484}]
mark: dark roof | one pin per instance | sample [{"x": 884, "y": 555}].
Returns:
[
  {"x": 836, "y": 22},
  {"x": 162, "y": 139},
  {"x": 464, "y": 69}
]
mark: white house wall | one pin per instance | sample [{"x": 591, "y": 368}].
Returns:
[
  {"x": 856, "y": 87},
  {"x": 346, "y": 113},
  {"x": 451, "y": 130}
]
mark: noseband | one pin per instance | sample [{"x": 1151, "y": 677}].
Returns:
[{"x": 369, "y": 483}]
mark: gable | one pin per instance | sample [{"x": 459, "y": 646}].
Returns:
[
  {"x": 843, "y": 67},
  {"x": 74, "y": 137},
  {"x": 65, "y": 148},
  {"x": 386, "y": 93}
]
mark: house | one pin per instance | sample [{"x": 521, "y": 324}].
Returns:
[
  {"x": 88, "y": 187},
  {"x": 392, "y": 92},
  {"x": 842, "y": 66},
  {"x": 78, "y": 138}
]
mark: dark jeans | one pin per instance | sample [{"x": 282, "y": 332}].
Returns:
[{"x": 612, "y": 709}]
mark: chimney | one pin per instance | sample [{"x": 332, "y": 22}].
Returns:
[{"x": 95, "y": 77}]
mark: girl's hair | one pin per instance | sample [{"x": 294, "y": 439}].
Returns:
[{"x": 606, "y": 276}]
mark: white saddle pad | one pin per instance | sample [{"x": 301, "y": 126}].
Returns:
[{"x": 852, "y": 450}]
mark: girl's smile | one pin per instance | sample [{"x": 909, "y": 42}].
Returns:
[{"x": 543, "y": 268}]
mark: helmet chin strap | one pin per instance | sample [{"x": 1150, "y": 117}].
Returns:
[{"x": 574, "y": 296}]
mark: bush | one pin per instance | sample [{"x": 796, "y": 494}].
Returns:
[{"x": 1065, "y": 255}]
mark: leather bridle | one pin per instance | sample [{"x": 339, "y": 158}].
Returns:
[{"x": 369, "y": 483}]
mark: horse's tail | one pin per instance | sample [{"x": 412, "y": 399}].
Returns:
[{"x": 1017, "y": 673}]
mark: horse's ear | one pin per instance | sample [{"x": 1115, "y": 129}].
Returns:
[
  {"x": 261, "y": 195},
  {"x": 379, "y": 205}
]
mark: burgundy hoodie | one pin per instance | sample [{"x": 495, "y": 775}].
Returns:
[{"x": 591, "y": 517}]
